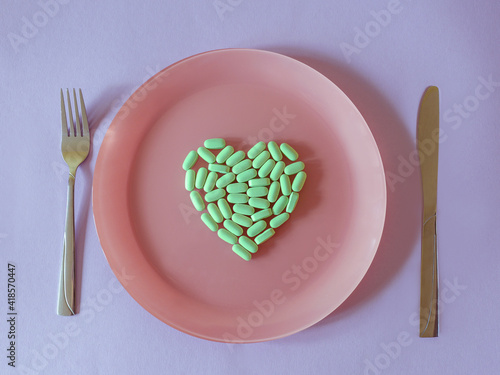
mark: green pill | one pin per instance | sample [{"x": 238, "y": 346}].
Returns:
[
  {"x": 298, "y": 181},
  {"x": 206, "y": 155},
  {"x": 280, "y": 205},
  {"x": 292, "y": 202},
  {"x": 224, "y": 208},
  {"x": 248, "y": 244},
  {"x": 190, "y": 160},
  {"x": 247, "y": 175},
  {"x": 242, "y": 252},
  {"x": 189, "y": 179},
  {"x": 258, "y": 202},
  {"x": 286, "y": 186},
  {"x": 256, "y": 150},
  {"x": 256, "y": 182},
  {"x": 233, "y": 227},
  {"x": 267, "y": 168},
  {"x": 215, "y": 143},
  {"x": 218, "y": 168},
  {"x": 289, "y": 152},
  {"x": 279, "y": 220},
  {"x": 210, "y": 182},
  {"x": 215, "y": 195},
  {"x": 225, "y": 180},
  {"x": 201, "y": 176},
  {"x": 242, "y": 220},
  {"x": 239, "y": 187},
  {"x": 262, "y": 214},
  {"x": 197, "y": 200},
  {"x": 277, "y": 170},
  {"x": 275, "y": 151},
  {"x": 224, "y": 154},
  {"x": 255, "y": 229},
  {"x": 227, "y": 236},
  {"x": 261, "y": 159},
  {"x": 243, "y": 209},
  {"x": 274, "y": 191},
  {"x": 242, "y": 166},
  {"x": 235, "y": 158},
  {"x": 214, "y": 211},
  {"x": 237, "y": 198},
  {"x": 294, "y": 168},
  {"x": 260, "y": 191},
  {"x": 209, "y": 222},
  {"x": 264, "y": 236}
]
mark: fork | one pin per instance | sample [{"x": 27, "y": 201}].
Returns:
[{"x": 75, "y": 147}]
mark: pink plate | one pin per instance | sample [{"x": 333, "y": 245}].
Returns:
[{"x": 180, "y": 271}]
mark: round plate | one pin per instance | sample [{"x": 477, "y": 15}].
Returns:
[{"x": 180, "y": 271}]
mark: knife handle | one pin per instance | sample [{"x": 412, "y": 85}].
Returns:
[{"x": 429, "y": 280}]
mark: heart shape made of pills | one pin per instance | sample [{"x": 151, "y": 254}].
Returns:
[{"x": 245, "y": 196}]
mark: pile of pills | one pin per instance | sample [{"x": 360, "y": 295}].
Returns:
[{"x": 246, "y": 196}]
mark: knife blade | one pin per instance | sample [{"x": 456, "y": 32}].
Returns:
[{"x": 427, "y": 135}]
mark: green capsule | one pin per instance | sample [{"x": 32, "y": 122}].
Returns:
[
  {"x": 275, "y": 151},
  {"x": 262, "y": 214},
  {"x": 209, "y": 222},
  {"x": 264, "y": 236},
  {"x": 224, "y": 208},
  {"x": 238, "y": 187},
  {"x": 215, "y": 195},
  {"x": 233, "y": 227},
  {"x": 247, "y": 175},
  {"x": 266, "y": 168},
  {"x": 206, "y": 155},
  {"x": 227, "y": 236},
  {"x": 210, "y": 182},
  {"x": 274, "y": 191},
  {"x": 298, "y": 181},
  {"x": 261, "y": 159},
  {"x": 248, "y": 244},
  {"x": 214, "y": 211},
  {"x": 294, "y": 168},
  {"x": 190, "y": 160},
  {"x": 201, "y": 176},
  {"x": 260, "y": 191},
  {"x": 235, "y": 158},
  {"x": 189, "y": 179},
  {"x": 256, "y": 182},
  {"x": 277, "y": 170},
  {"x": 197, "y": 200},
  {"x": 215, "y": 143},
  {"x": 243, "y": 209},
  {"x": 225, "y": 180},
  {"x": 289, "y": 152},
  {"x": 279, "y": 220},
  {"x": 258, "y": 202},
  {"x": 242, "y": 166},
  {"x": 242, "y": 220},
  {"x": 292, "y": 202},
  {"x": 256, "y": 150},
  {"x": 242, "y": 252},
  {"x": 286, "y": 186},
  {"x": 237, "y": 198},
  {"x": 255, "y": 229},
  {"x": 224, "y": 154},
  {"x": 218, "y": 168},
  {"x": 280, "y": 205}
]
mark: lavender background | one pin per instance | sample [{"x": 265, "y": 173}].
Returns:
[{"x": 383, "y": 54}]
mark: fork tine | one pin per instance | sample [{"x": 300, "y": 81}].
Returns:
[
  {"x": 85, "y": 123},
  {"x": 63, "y": 117},
  {"x": 77, "y": 115},
  {"x": 70, "y": 111}
]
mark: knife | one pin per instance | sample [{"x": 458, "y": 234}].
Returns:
[{"x": 427, "y": 136}]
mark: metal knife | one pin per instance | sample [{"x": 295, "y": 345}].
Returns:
[{"x": 428, "y": 145}]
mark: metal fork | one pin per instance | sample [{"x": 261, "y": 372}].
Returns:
[{"x": 75, "y": 147}]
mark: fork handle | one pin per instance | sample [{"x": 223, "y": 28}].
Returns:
[{"x": 66, "y": 299}]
